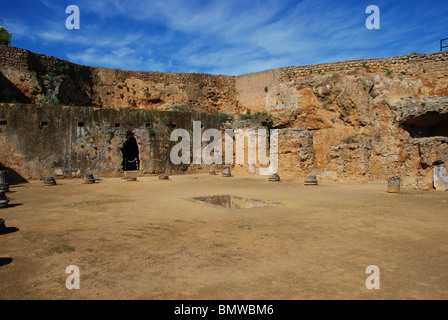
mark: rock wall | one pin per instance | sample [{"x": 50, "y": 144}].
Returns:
[
  {"x": 430, "y": 69},
  {"x": 40, "y": 141},
  {"x": 369, "y": 118},
  {"x": 359, "y": 120},
  {"x": 253, "y": 88},
  {"x": 295, "y": 148},
  {"x": 29, "y": 77}
]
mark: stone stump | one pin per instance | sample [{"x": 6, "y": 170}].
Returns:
[
  {"x": 393, "y": 185},
  {"x": 311, "y": 180},
  {"x": 49, "y": 181},
  {"x": 89, "y": 179},
  {"x": 226, "y": 172},
  {"x": 4, "y": 185},
  {"x": 3, "y": 199}
]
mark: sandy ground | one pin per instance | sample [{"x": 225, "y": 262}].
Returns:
[{"x": 143, "y": 240}]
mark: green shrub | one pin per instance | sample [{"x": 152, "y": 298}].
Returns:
[
  {"x": 5, "y": 36},
  {"x": 54, "y": 102},
  {"x": 62, "y": 70},
  {"x": 223, "y": 117},
  {"x": 269, "y": 121},
  {"x": 166, "y": 121},
  {"x": 180, "y": 108},
  {"x": 151, "y": 132},
  {"x": 350, "y": 139}
]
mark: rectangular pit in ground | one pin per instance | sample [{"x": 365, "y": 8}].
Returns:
[{"x": 234, "y": 202}]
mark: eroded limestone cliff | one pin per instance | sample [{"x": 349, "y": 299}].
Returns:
[
  {"x": 369, "y": 118},
  {"x": 353, "y": 121}
]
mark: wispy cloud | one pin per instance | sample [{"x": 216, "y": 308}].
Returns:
[{"x": 227, "y": 37}]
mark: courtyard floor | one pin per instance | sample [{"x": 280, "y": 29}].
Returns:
[{"x": 145, "y": 240}]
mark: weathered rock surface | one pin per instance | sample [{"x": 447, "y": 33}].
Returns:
[
  {"x": 362, "y": 120},
  {"x": 295, "y": 152},
  {"x": 409, "y": 111},
  {"x": 440, "y": 179},
  {"x": 28, "y": 77},
  {"x": 365, "y": 126}
]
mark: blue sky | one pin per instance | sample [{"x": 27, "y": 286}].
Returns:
[{"x": 229, "y": 37}]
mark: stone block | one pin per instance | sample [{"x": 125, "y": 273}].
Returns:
[
  {"x": 311, "y": 180},
  {"x": 394, "y": 185},
  {"x": 440, "y": 179},
  {"x": 226, "y": 172}
]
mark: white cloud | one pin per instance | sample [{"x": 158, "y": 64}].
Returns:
[
  {"x": 116, "y": 59},
  {"x": 229, "y": 37}
]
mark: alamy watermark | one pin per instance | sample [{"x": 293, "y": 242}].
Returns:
[
  {"x": 189, "y": 150},
  {"x": 73, "y": 20},
  {"x": 373, "y": 21},
  {"x": 73, "y": 281},
  {"x": 373, "y": 280}
]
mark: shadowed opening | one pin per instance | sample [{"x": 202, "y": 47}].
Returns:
[
  {"x": 431, "y": 124},
  {"x": 130, "y": 152}
]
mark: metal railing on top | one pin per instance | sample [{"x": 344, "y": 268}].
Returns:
[{"x": 443, "y": 44}]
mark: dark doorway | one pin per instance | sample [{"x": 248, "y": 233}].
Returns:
[
  {"x": 131, "y": 161},
  {"x": 430, "y": 124}
]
